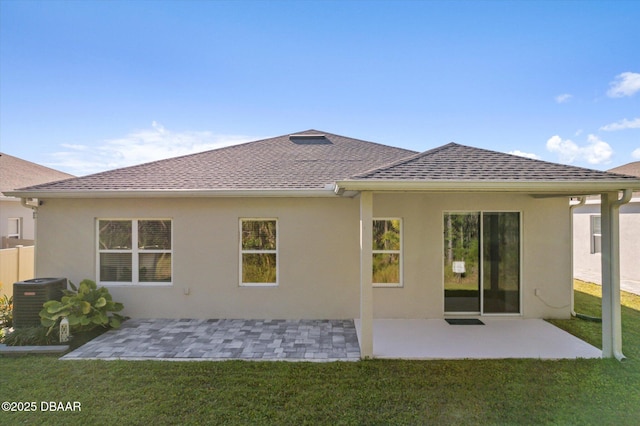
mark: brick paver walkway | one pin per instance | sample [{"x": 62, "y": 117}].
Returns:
[{"x": 220, "y": 339}]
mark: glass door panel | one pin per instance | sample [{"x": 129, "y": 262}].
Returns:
[
  {"x": 462, "y": 262},
  {"x": 501, "y": 262}
]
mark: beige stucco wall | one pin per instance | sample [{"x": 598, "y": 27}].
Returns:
[
  {"x": 318, "y": 254},
  {"x": 545, "y": 253},
  {"x": 587, "y": 265},
  {"x": 10, "y": 208}
]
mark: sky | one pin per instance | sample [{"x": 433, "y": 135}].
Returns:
[{"x": 87, "y": 86}]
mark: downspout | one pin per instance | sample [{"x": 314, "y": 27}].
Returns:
[
  {"x": 25, "y": 203},
  {"x": 581, "y": 201},
  {"x": 611, "y": 315}
]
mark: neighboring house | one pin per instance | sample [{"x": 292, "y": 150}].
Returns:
[
  {"x": 16, "y": 221},
  {"x": 587, "y": 235},
  {"x": 316, "y": 225}
]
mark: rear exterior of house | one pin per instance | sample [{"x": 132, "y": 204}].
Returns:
[
  {"x": 315, "y": 225},
  {"x": 316, "y": 255}
]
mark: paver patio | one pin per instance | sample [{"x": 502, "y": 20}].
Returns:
[{"x": 221, "y": 339}]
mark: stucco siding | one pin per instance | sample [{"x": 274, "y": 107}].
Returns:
[
  {"x": 545, "y": 257},
  {"x": 587, "y": 265},
  {"x": 11, "y": 208},
  {"x": 318, "y": 254}
]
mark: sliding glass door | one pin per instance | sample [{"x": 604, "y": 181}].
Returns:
[{"x": 482, "y": 262}]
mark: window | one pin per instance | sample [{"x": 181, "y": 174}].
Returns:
[
  {"x": 387, "y": 252},
  {"x": 14, "y": 229},
  {"x": 596, "y": 234},
  {"x": 258, "y": 252},
  {"x": 135, "y": 251}
]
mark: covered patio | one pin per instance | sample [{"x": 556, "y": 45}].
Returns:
[
  {"x": 331, "y": 340},
  {"x": 497, "y": 338}
]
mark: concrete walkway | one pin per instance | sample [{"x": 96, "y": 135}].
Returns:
[{"x": 192, "y": 339}]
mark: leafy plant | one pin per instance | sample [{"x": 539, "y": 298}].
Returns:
[
  {"x": 6, "y": 311},
  {"x": 86, "y": 307},
  {"x": 31, "y": 336}
]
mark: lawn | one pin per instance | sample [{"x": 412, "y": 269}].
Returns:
[{"x": 371, "y": 392}]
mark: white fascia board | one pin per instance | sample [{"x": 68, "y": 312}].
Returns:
[
  {"x": 276, "y": 193},
  {"x": 538, "y": 187}
]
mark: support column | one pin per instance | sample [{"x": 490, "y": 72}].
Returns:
[
  {"x": 611, "y": 311},
  {"x": 366, "y": 275}
]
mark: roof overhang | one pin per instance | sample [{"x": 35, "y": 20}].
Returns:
[
  {"x": 560, "y": 187},
  {"x": 181, "y": 193}
]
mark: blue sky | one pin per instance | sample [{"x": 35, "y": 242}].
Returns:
[{"x": 92, "y": 85}]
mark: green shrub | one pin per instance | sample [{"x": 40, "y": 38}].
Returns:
[
  {"x": 6, "y": 311},
  {"x": 86, "y": 307},
  {"x": 31, "y": 336}
]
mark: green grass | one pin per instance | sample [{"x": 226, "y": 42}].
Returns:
[{"x": 378, "y": 392}]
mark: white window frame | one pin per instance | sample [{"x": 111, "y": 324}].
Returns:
[
  {"x": 17, "y": 224},
  {"x": 594, "y": 235},
  {"x": 135, "y": 252},
  {"x": 398, "y": 252},
  {"x": 242, "y": 251}
]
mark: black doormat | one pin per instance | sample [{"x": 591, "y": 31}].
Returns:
[{"x": 464, "y": 321}]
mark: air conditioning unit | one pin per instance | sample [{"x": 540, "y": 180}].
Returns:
[{"x": 30, "y": 295}]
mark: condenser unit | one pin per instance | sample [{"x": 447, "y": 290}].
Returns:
[{"x": 30, "y": 295}]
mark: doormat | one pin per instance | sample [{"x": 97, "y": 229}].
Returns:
[{"x": 464, "y": 321}]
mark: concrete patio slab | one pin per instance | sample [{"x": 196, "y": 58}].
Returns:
[
  {"x": 497, "y": 339},
  {"x": 224, "y": 339}
]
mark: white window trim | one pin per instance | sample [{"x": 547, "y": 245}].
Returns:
[
  {"x": 398, "y": 252},
  {"x": 242, "y": 251},
  {"x": 18, "y": 221},
  {"x": 134, "y": 251}
]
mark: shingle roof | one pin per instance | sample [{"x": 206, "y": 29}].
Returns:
[
  {"x": 306, "y": 160},
  {"x": 463, "y": 163},
  {"x": 632, "y": 169},
  {"x": 17, "y": 173}
]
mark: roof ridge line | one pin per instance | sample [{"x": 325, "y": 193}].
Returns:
[{"x": 405, "y": 160}]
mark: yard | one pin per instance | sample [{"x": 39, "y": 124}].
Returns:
[{"x": 369, "y": 392}]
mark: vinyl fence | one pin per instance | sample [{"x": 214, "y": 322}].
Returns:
[{"x": 16, "y": 264}]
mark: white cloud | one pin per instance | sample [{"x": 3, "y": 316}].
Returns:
[
  {"x": 564, "y": 98},
  {"x": 625, "y": 84},
  {"x": 140, "y": 146},
  {"x": 595, "y": 151},
  {"x": 636, "y": 153},
  {"x": 622, "y": 125},
  {"x": 524, "y": 154}
]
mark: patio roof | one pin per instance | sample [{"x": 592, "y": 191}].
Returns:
[{"x": 455, "y": 167}]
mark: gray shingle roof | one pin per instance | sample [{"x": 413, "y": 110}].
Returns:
[
  {"x": 18, "y": 173},
  {"x": 310, "y": 160},
  {"x": 632, "y": 169},
  {"x": 461, "y": 163}
]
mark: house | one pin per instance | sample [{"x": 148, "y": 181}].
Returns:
[
  {"x": 16, "y": 221},
  {"x": 587, "y": 235},
  {"x": 317, "y": 225}
]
